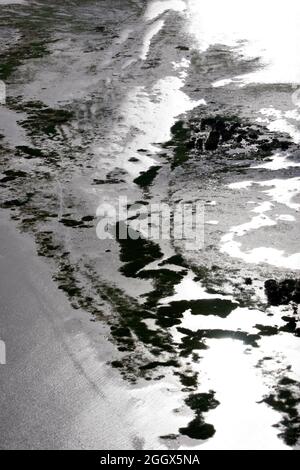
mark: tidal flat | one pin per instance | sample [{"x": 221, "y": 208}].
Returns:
[{"x": 159, "y": 103}]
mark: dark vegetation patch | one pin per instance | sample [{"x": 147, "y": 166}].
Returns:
[
  {"x": 171, "y": 314},
  {"x": 135, "y": 251},
  {"x": 77, "y": 223},
  {"x": 171, "y": 437},
  {"x": 146, "y": 178},
  {"x": 46, "y": 121},
  {"x": 46, "y": 245},
  {"x": 266, "y": 330},
  {"x": 41, "y": 120},
  {"x": 198, "y": 429},
  {"x": 11, "y": 175},
  {"x": 285, "y": 292},
  {"x": 200, "y": 403},
  {"x": 129, "y": 330},
  {"x": 113, "y": 177},
  {"x": 26, "y": 48},
  {"x": 181, "y": 144},
  {"x": 17, "y": 202},
  {"x": 282, "y": 292},
  {"x": 155, "y": 364},
  {"x": 182, "y": 48},
  {"x": 29, "y": 151},
  {"x": 286, "y": 400},
  {"x": 194, "y": 340},
  {"x": 224, "y": 136},
  {"x": 164, "y": 281},
  {"x": 131, "y": 316},
  {"x": 177, "y": 259},
  {"x": 108, "y": 181},
  {"x": 290, "y": 326},
  {"x": 188, "y": 379}
]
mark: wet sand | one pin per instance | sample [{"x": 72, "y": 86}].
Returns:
[{"x": 54, "y": 388}]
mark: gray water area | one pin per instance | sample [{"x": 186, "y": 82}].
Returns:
[{"x": 164, "y": 102}]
